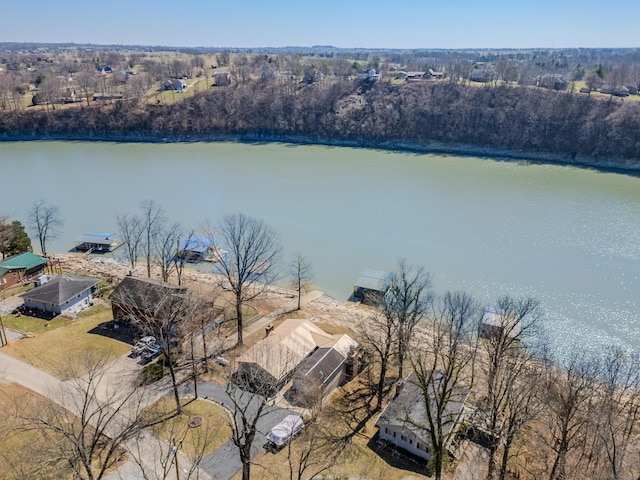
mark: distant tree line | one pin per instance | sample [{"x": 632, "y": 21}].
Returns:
[{"x": 521, "y": 119}]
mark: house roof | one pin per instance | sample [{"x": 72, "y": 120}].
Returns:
[
  {"x": 374, "y": 280},
  {"x": 286, "y": 346},
  {"x": 60, "y": 289},
  {"x": 143, "y": 293},
  {"x": 25, "y": 260},
  {"x": 321, "y": 364},
  {"x": 410, "y": 404}
]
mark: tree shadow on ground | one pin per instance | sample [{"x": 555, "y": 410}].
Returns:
[{"x": 397, "y": 457}]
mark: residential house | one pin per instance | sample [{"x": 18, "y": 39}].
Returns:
[
  {"x": 177, "y": 84},
  {"x": 325, "y": 369},
  {"x": 270, "y": 362},
  {"x": 21, "y": 269},
  {"x": 136, "y": 299},
  {"x": 222, "y": 79},
  {"x": 397, "y": 422},
  {"x": 61, "y": 294}
]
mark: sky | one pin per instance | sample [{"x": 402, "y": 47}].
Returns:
[{"x": 340, "y": 23}]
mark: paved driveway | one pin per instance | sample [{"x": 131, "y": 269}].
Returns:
[{"x": 225, "y": 462}]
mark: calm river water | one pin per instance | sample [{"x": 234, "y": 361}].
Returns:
[{"x": 569, "y": 236}]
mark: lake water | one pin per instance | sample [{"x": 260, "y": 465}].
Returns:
[{"x": 569, "y": 236}]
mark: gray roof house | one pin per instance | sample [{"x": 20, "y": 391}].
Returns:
[
  {"x": 410, "y": 404},
  {"x": 62, "y": 294}
]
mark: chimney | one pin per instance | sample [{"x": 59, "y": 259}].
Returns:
[{"x": 268, "y": 330}]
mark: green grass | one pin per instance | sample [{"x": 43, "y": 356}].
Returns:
[
  {"x": 52, "y": 349},
  {"x": 199, "y": 441},
  {"x": 36, "y": 326}
]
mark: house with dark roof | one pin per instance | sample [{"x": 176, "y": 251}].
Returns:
[
  {"x": 21, "y": 269},
  {"x": 62, "y": 294},
  {"x": 141, "y": 298},
  {"x": 397, "y": 422},
  {"x": 324, "y": 370}
]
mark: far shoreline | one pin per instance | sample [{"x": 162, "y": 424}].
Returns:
[{"x": 605, "y": 165}]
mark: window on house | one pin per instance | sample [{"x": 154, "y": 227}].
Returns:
[
  {"x": 394, "y": 434},
  {"x": 402, "y": 438},
  {"x": 410, "y": 442},
  {"x": 418, "y": 445},
  {"x": 386, "y": 430}
]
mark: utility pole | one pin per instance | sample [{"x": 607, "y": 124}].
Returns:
[{"x": 3, "y": 334}]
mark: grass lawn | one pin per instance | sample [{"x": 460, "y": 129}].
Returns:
[
  {"x": 53, "y": 349},
  {"x": 199, "y": 441},
  {"x": 24, "y": 451},
  {"x": 36, "y": 326}
]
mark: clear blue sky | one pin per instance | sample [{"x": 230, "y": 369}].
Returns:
[{"x": 344, "y": 23}]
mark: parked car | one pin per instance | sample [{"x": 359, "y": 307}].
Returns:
[{"x": 141, "y": 345}]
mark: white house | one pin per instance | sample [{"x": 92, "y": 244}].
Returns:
[{"x": 62, "y": 294}]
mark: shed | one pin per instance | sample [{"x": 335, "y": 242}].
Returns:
[{"x": 372, "y": 286}]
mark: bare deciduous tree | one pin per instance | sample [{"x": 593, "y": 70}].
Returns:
[
  {"x": 45, "y": 222},
  {"x": 88, "y": 421},
  {"x": 166, "y": 242},
  {"x": 301, "y": 274},
  {"x": 153, "y": 218},
  {"x": 250, "y": 264},
  {"x": 131, "y": 231},
  {"x": 441, "y": 370},
  {"x": 407, "y": 300}
]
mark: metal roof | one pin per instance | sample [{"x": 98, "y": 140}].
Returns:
[
  {"x": 197, "y": 244},
  {"x": 96, "y": 237},
  {"x": 25, "y": 260},
  {"x": 374, "y": 280}
]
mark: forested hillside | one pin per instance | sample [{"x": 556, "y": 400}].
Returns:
[{"x": 423, "y": 115}]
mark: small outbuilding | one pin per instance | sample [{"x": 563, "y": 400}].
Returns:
[
  {"x": 62, "y": 294},
  {"x": 372, "y": 286}
]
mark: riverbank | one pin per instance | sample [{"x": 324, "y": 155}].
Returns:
[{"x": 613, "y": 165}]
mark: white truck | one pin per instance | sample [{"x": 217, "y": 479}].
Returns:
[{"x": 283, "y": 432}]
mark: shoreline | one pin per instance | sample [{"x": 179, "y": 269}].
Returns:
[{"x": 611, "y": 165}]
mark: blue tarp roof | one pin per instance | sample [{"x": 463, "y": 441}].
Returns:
[{"x": 197, "y": 244}]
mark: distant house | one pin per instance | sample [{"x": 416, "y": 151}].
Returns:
[
  {"x": 176, "y": 84},
  {"x": 105, "y": 69},
  {"x": 434, "y": 74},
  {"x": 62, "y": 294},
  {"x": 397, "y": 421},
  {"x": 372, "y": 286},
  {"x": 496, "y": 322},
  {"x": 97, "y": 242},
  {"x": 272, "y": 360},
  {"x": 138, "y": 299},
  {"x": 370, "y": 75},
  {"x": 222, "y": 79},
  {"x": 20, "y": 269}
]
